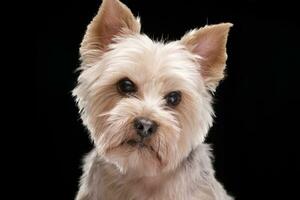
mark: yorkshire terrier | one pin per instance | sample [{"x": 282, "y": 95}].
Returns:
[{"x": 148, "y": 107}]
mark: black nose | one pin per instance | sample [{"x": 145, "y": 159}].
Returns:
[{"x": 144, "y": 127}]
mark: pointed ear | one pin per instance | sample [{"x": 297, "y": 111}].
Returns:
[
  {"x": 113, "y": 19},
  {"x": 209, "y": 43}
]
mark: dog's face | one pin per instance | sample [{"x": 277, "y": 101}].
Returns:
[{"x": 147, "y": 104}]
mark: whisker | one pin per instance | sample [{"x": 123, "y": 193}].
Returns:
[{"x": 104, "y": 114}]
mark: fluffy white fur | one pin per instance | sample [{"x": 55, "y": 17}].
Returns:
[{"x": 174, "y": 163}]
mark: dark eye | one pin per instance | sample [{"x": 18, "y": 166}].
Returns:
[
  {"x": 173, "y": 98},
  {"x": 126, "y": 86}
]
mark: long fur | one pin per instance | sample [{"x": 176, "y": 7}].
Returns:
[{"x": 192, "y": 180}]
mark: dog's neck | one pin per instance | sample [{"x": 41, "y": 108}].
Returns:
[
  {"x": 154, "y": 183},
  {"x": 162, "y": 183}
]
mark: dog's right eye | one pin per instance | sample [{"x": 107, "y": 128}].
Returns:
[{"x": 126, "y": 86}]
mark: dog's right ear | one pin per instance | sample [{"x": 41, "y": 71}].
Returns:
[{"x": 113, "y": 19}]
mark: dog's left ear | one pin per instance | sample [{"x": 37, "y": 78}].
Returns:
[{"x": 209, "y": 43}]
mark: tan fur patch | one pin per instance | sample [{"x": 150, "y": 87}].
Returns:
[{"x": 209, "y": 43}]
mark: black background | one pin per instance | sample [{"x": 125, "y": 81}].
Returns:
[{"x": 255, "y": 134}]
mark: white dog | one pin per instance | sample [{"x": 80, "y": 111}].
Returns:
[{"x": 147, "y": 106}]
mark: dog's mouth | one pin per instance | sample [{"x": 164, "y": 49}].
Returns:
[
  {"x": 141, "y": 144},
  {"x": 132, "y": 142},
  {"x": 136, "y": 143}
]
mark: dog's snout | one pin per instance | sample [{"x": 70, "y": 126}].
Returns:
[{"x": 144, "y": 126}]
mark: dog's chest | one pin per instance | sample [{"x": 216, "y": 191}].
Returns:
[{"x": 175, "y": 190}]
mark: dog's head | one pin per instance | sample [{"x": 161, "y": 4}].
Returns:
[{"x": 147, "y": 104}]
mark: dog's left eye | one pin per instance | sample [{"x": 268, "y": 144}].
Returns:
[
  {"x": 173, "y": 98},
  {"x": 126, "y": 86}
]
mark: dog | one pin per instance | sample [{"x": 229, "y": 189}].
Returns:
[{"x": 148, "y": 107}]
